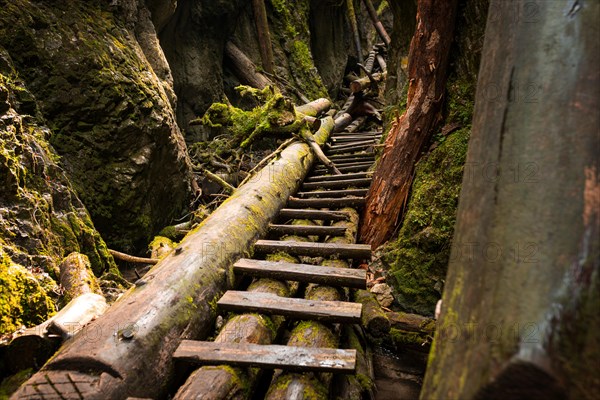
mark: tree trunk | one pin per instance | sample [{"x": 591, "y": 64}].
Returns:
[
  {"x": 520, "y": 314},
  {"x": 76, "y": 276},
  {"x": 264, "y": 35},
  {"x": 428, "y": 60},
  {"x": 128, "y": 351}
]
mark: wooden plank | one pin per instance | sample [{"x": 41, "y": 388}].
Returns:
[
  {"x": 354, "y": 167},
  {"x": 323, "y": 178},
  {"x": 338, "y": 157},
  {"x": 350, "y": 149},
  {"x": 313, "y": 214},
  {"x": 352, "y": 143},
  {"x": 305, "y": 230},
  {"x": 326, "y": 202},
  {"x": 332, "y": 193},
  {"x": 337, "y": 184},
  {"x": 332, "y": 276},
  {"x": 270, "y": 304},
  {"x": 268, "y": 356},
  {"x": 338, "y": 134},
  {"x": 342, "y": 250}
]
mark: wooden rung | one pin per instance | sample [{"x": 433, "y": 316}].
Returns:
[
  {"x": 346, "y": 138},
  {"x": 351, "y": 144},
  {"x": 333, "y": 193},
  {"x": 335, "y": 134},
  {"x": 349, "y": 149},
  {"x": 305, "y": 230},
  {"x": 267, "y": 356},
  {"x": 342, "y": 250},
  {"x": 342, "y": 177},
  {"x": 353, "y": 167},
  {"x": 359, "y": 155},
  {"x": 302, "y": 309},
  {"x": 331, "y": 276},
  {"x": 326, "y": 202},
  {"x": 337, "y": 184},
  {"x": 313, "y": 214}
]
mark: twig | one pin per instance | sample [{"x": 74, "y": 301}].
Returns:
[
  {"x": 308, "y": 137},
  {"x": 132, "y": 259}
]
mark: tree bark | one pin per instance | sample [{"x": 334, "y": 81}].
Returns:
[
  {"x": 128, "y": 351},
  {"x": 409, "y": 135},
  {"x": 520, "y": 314},
  {"x": 264, "y": 35}
]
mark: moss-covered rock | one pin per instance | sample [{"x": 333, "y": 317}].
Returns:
[
  {"x": 110, "y": 117},
  {"x": 418, "y": 258},
  {"x": 23, "y": 301}
]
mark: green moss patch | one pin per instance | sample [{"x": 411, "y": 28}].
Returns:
[{"x": 418, "y": 258}]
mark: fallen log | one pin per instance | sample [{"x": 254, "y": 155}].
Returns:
[
  {"x": 244, "y": 68},
  {"x": 374, "y": 319},
  {"x": 34, "y": 346},
  {"x": 354, "y": 29},
  {"x": 132, "y": 259},
  {"x": 314, "y": 108},
  {"x": 134, "y": 340},
  {"x": 366, "y": 82},
  {"x": 76, "y": 276}
]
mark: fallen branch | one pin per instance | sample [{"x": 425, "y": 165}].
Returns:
[
  {"x": 218, "y": 180},
  {"x": 305, "y": 135},
  {"x": 132, "y": 259},
  {"x": 266, "y": 160}
]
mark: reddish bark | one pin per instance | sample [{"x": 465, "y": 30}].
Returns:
[{"x": 427, "y": 66}]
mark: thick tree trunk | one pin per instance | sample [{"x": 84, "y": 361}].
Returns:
[
  {"x": 428, "y": 60},
  {"x": 520, "y": 309},
  {"x": 128, "y": 351}
]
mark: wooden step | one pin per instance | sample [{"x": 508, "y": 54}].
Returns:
[
  {"x": 354, "y": 167},
  {"x": 331, "y": 276},
  {"x": 267, "y": 356},
  {"x": 323, "y": 178},
  {"x": 329, "y": 202},
  {"x": 333, "y": 193},
  {"x": 348, "y": 138},
  {"x": 342, "y": 250},
  {"x": 313, "y": 214},
  {"x": 349, "y": 149},
  {"x": 337, "y": 184},
  {"x": 306, "y": 230},
  {"x": 336, "y": 134},
  {"x": 301, "y": 309},
  {"x": 368, "y": 156},
  {"x": 326, "y": 202},
  {"x": 351, "y": 144}
]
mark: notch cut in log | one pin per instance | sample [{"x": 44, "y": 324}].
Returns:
[
  {"x": 269, "y": 304},
  {"x": 342, "y": 250},
  {"x": 268, "y": 356},
  {"x": 332, "y": 276}
]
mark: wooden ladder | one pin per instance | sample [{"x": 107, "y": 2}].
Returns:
[{"x": 353, "y": 154}]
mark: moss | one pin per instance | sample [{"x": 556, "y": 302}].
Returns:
[
  {"x": 401, "y": 338},
  {"x": 12, "y": 383},
  {"x": 306, "y": 333},
  {"x": 418, "y": 258},
  {"x": 270, "y": 286},
  {"x": 23, "y": 301},
  {"x": 312, "y": 389}
]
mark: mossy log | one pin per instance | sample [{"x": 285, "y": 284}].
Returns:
[
  {"x": 244, "y": 68},
  {"x": 411, "y": 322},
  {"x": 35, "y": 345},
  {"x": 377, "y": 24},
  {"x": 374, "y": 319},
  {"x": 361, "y": 385},
  {"x": 133, "y": 341},
  {"x": 314, "y": 108},
  {"x": 76, "y": 276}
]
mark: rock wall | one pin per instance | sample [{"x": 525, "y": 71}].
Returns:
[
  {"x": 104, "y": 88},
  {"x": 41, "y": 218}
]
